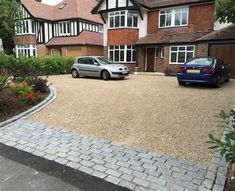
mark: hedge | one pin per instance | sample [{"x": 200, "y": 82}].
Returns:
[{"x": 43, "y": 65}]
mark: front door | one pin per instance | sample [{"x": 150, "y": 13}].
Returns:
[{"x": 150, "y": 59}]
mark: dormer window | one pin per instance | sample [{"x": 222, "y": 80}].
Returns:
[
  {"x": 176, "y": 17},
  {"x": 64, "y": 29},
  {"x": 123, "y": 19},
  {"x": 63, "y": 5}
]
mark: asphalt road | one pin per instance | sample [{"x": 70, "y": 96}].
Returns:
[{"x": 15, "y": 176}]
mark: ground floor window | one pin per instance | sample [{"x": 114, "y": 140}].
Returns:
[
  {"x": 122, "y": 53},
  {"x": 25, "y": 50},
  {"x": 180, "y": 54},
  {"x": 55, "y": 52}
]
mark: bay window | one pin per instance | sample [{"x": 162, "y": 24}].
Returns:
[
  {"x": 122, "y": 53},
  {"x": 173, "y": 17},
  {"x": 180, "y": 54},
  {"x": 121, "y": 19},
  {"x": 26, "y": 26},
  {"x": 25, "y": 50}
]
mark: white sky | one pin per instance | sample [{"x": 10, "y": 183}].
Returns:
[{"x": 51, "y": 2}]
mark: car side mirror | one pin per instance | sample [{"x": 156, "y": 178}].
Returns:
[{"x": 96, "y": 63}]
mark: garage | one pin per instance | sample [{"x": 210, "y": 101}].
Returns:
[
  {"x": 225, "y": 52},
  {"x": 221, "y": 44}
]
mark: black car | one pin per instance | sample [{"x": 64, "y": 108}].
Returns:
[{"x": 206, "y": 70}]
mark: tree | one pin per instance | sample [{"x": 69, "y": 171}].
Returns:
[
  {"x": 10, "y": 11},
  {"x": 225, "y": 11}
]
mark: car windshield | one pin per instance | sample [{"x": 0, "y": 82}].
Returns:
[
  {"x": 104, "y": 60},
  {"x": 200, "y": 62}
]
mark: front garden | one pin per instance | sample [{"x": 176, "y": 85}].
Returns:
[{"x": 23, "y": 83}]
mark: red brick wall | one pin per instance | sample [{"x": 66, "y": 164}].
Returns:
[
  {"x": 25, "y": 39},
  {"x": 123, "y": 36},
  {"x": 200, "y": 20}
]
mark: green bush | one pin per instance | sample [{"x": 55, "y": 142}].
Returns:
[
  {"x": 226, "y": 147},
  {"x": 21, "y": 89},
  {"x": 23, "y": 67}
]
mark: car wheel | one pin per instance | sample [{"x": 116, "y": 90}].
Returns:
[
  {"x": 218, "y": 82},
  {"x": 228, "y": 78},
  {"x": 121, "y": 78},
  {"x": 105, "y": 75},
  {"x": 181, "y": 83},
  {"x": 75, "y": 73}
]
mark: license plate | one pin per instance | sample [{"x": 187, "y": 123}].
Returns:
[
  {"x": 124, "y": 72},
  {"x": 193, "y": 71}
]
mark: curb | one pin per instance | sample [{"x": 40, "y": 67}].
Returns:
[
  {"x": 34, "y": 109},
  {"x": 216, "y": 173}
]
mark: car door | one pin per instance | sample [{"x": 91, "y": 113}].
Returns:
[
  {"x": 81, "y": 65},
  {"x": 92, "y": 67}
]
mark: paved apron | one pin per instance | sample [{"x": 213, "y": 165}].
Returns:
[{"x": 128, "y": 167}]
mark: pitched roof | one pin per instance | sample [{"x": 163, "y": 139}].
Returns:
[
  {"x": 85, "y": 38},
  {"x": 67, "y": 9},
  {"x": 38, "y": 10},
  {"x": 150, "y": 4},
  {"x": 227, "y": 33},
  {"x": 166, "y": 38},
  {"x": 165, "y": 3}
]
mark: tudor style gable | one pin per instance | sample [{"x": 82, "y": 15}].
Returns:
[{"x": 115, "y": 5}]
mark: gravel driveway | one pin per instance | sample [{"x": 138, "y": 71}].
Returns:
[{"x": 150, "y": 112}]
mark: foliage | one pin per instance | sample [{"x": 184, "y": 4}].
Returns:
[
  {"x": 226, "y": 147},
  {"x": 39, "y": 84},
  {"x": 9, "y": 12},
  {"x": 225, "y": 11},
  {"x": 4, "y": 78},
  {"x": 21, "y": 89},
  {"x": 24, "y": 92},
  {"x": 34, "y": 66}
]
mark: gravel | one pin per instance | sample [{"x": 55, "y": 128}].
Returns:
[{"x": 149, "y": 112}]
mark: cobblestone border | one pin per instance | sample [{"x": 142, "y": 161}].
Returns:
[
  {"x": 34, "y": 109},
  {"x": 216, "y": 172}
]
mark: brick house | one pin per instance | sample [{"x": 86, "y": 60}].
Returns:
[
  {"x": 155, "y": 35},
  {"x": 67, "y": 29}
]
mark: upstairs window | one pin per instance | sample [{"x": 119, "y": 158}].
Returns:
[
  {"x": 64, "y": 28},
  {"x": 122, "y": 19},
  {"x": 26, "y": 26},
  {"x": 173, "y": 17}
]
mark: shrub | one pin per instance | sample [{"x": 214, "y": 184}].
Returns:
[
  {"x": 226, "y": 147},
  {"x": 39, "y": 84},
  {"x": 4, "y": 78},
  {"x": 24, "y": 67},
  {"x": 21, "y": 89}
]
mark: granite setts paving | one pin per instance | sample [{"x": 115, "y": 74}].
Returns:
[{"x": 128, "y": 167}]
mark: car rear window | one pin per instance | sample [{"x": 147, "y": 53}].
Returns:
[{"x": 200, "y": 62}]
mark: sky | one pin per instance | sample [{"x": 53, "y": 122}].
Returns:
[{"x": 51, "y": 2}]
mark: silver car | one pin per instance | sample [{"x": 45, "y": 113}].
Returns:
[{"x": 97, "y": 66}]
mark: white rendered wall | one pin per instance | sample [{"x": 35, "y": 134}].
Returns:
[{"x": 143, "y": 24}]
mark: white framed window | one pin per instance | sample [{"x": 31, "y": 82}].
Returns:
[
  {"x": 122, "y": 53},
  {"x": 55, "y": 52},
  {"x": 64, "y": 28},
  {"x": 26, "y": 26},
  {"x": 122, "y": 19},
  {"x": 162, "y": 52},
  {"x": 25, "y": 50},
  {"x": 176, "y": 17},
  {"x": 180, "y": 54}
]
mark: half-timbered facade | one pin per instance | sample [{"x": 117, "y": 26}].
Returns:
[
  {"x": 67, "y": 28},
  {"x": 156, "y": 35}
]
